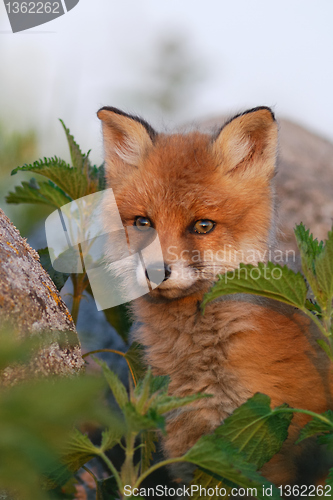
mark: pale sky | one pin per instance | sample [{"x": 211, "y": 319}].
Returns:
[{"x": 254, "y": 52}]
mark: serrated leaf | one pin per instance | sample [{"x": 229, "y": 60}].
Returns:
[
  {"x": 164, "y": 404},
  {"x": 69, "y": 179},
  {"x": 137, "y": 422},
  {"x": 313, "y": 307},
  {"x": 77, "y": 157},
  {"x": 207, "y": 481},
  {"x": 58, "y": 278},
  {"x": 221, "y": 458},
  {"x": 111, "y": 437},
  {"x": 117, "y": 387},
  {"x": 310, "y": 249},
  {"x": 324, "y": 271},
  {"x": 324, "y": 345},
  {"x": 256, "y": 430},
  {"x": 45, "y": 193},
  {"x": 148, "y": 440},
  {"x": 267, "y": 280},
  {"x": 134, "y": 358},
  {"x": 101, "y": 178},
  {"x": 79, "y": 450},
  {"x": 322, "y": 424},
  {"x": 142, "y": 391},
  {"x": 329, "y": 481},
  {"x": 107, "y": 489},
  {"x": 308, "y": 245}
]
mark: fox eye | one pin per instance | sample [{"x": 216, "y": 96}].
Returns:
[
  {"x": 203, "y": 226},
  {"x": 142, "y": 223}
]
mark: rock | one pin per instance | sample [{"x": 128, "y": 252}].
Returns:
[
  {"x": 304, "y": 180},
  {"x": 32, "y": 306}
]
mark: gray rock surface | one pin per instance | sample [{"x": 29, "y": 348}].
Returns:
[
  {"x": 31, "y": 304},
  {"x": 304, "y": 180}
]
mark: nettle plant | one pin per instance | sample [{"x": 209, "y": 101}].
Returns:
[{"x": 230, "y": 457}]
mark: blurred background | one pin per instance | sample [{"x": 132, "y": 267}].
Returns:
[{"x": 174, "y": 63}]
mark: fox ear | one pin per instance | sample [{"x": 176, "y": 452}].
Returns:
[
  {"x": 126, "y": 139},
  {"x": 247, "y": 144}
]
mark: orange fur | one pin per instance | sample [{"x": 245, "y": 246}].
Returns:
[{"x": 241, "y": 345}]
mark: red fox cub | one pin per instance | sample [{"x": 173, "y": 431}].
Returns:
[{"x": 211, "y": 200}]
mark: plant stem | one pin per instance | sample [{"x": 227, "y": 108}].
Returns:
[
  {"x": 307, "y": 412},
  {"x": 91, "y": 474},
  {"x": 113, "y": 470},
  {"x": 157, "y": 466},
  {"x": 128, "y": 473},
  {"x": 315, "y": 320},
  {"x": 80, "y": 283}
]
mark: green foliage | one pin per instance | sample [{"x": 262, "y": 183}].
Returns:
[
  {"x": 256, "y": 430},
  {"x": 324, "y": 273},
  {"x": 44, "y": 193},
  {"x": 268, "y": 280},
  {"x": 117, "y": 387},
  {"x": 65, "y": 184},
  {"x": 322, "y": 424},
  {"x": 36, "y": 419},
  {"x": 38, "y": 437},
  {"x": 266, "y": 429},
  {"x": 224, "y": 460},
  {"x": 310, "y": 247}
]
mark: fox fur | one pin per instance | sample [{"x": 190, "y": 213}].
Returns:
[{"x": 242, "y": 344}]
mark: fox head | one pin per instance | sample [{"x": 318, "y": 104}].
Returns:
[{"x": 209, "y": 197}]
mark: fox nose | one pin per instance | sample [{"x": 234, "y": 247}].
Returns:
[{"x": 156, "y": 273}]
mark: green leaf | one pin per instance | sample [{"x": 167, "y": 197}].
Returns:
[
  {"x": 36, "y": 418},
  {"x": 137, "y": 422},
  {"x": 58, "y": 278},
  {"x": 117, "y": 387},
  {"x": 207, "y": 481},
  {"x": 142, "y": 391},
  {"x": 45, "y": 193},
  {"x": 324, "y": 271},
  {"x": 327, "y": 440},
  {"x": 313, "y": 307},
  {"x": 222, "y": 459},
  {"x": 101, "y": 178},
  {"x": 322, "y": 424},
  {"x": 310, "y": 249},
  {"x": 67, "y": 178},
  {"x": 329, "y": 481},
  {"x": 148, "y": 440},
  {"x": 267, "y": 280},
  {"x": 79, "y": 450},
  {"x": 111, "y": 437},
  {"x": 77, "y": 157},
  {"x": 324, "y": 345},
  {"x": 256, "y": 430},
  {"x": 134, "y": 358},
  {"x": 307, "y": 245},
  {"x": 164, "y": 404},
  {"x": 107, "y": 489}
]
